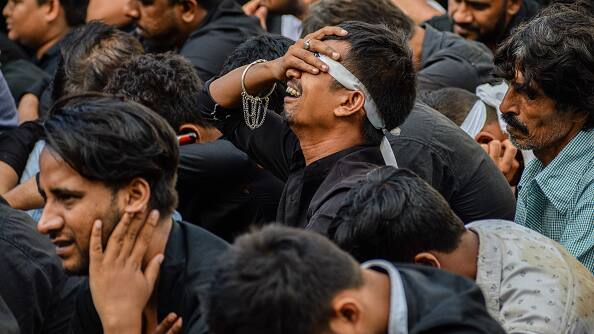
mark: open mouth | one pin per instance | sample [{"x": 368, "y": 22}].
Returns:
[
  {"x": 62, "y": 246},
  {"x": 293, "y": 90}
]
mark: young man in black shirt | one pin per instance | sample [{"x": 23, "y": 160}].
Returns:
[{"x": 114, "y": 161}]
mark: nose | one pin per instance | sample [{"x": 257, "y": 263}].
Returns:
[
  {"x": 507, "y": 105},
  {"x": 49, "y": 221},
  {"x": 461, "y": 13},
  {"x": 6, "y": 9},
  {"x": 131, "y": 9}
]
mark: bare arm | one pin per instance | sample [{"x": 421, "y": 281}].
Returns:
[
  {"x": 8, "y": 177},
  {"x": 25, "y": 196}
]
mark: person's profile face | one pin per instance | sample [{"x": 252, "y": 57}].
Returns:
[
  {"x": 156, "y": 22},
  {"x": 478, "y": 20},
  {"x": 72, "y": 204},
  {"x": 25, "y": 22}
]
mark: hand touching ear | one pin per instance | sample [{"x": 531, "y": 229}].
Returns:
[{"x": 119, "y": 286}]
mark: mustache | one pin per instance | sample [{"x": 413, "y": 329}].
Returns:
[
  {"x": 514, "y": 122},
  {"x": 468, "y": 26}
]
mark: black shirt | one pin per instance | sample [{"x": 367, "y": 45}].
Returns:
[
  {"x": 224, "y": 191},
  {"x": 49, "y": 60},
  {"x": 430, "y": 145},
  {"x": 8, "y": 324},
  {"x": 190, "y": 261},
  {"x": 223, "y": 29},
  {"x": 33, "y": 282},
  {"x": 449, "y": 60},
  {"x": 528, "y": 9}
]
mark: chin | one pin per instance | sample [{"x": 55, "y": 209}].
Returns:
[{"x": 74, "y": 267}]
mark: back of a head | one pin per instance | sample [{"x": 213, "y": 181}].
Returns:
[
  {"x": 393, "y": 215},
  {"x": 167, "y": 83},
  {"x": 279, "y": 280},
  {"x": 382, "y": 60},
  {"x": 268, "y": 47},
  {"x": 454, "y": 103},
  {"x": 554, "y": 52},
  {"x": 113, "y": 141},
  {"x": 333, "y": 12},
  {"x": 88, "y": 57}
]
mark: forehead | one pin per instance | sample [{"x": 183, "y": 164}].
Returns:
[{"x": 56, "y": 173}]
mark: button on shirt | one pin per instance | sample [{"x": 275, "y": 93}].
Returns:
[
  {"x": 558, "y": 200},
  {"x": 530, "y": 282}
]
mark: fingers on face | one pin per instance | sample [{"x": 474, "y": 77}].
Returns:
[
  {"x": 144, "y": 238},
  {"x": 116, "y": 240},
  {"x": 95, "y": 245}
]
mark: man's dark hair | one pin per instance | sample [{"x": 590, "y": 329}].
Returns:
[
  {"x": 88, "y": 57},
  {"x": 266, "y": 46},
  {"x": 279, "y": 280},
  {"x": 113, "y": 141},
  {"x": 555, "y": 53},
  {"x": 382, "y": 61},
  {"x": 455, "y": 104},
  {"x": 74, "y": 10},
  {"x": 333, "y": 12},
  {"x": 393, "y": 214},
  {"x": 167, "y": 83}
]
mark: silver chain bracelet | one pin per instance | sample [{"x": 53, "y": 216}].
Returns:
[{"x": 254, "y": 107}]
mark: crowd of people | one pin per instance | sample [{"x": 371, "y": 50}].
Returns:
[{"x": 297, "y": 166}]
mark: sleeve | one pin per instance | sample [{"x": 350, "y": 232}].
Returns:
[
  {"x": 579, "y": 233},
  {"x": 16, "y": 145},
  {"x": 448, "y": 70},
  {"x": 273, "y": 145},
  {"x": 8, "y": 111}
]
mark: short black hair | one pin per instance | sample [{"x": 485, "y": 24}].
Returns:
[
  {"x": 268, "y": 47},
  {"x": 333, "y": 12},
  {"x": 554, "y": 52},
  {"x": 167, "y": 83},
  {"x": 88, "y": 57},
  {"x": 382, "y": 60},
  {"x": 113, "y": 141},
  {"x": 393, "y": 214},
  {"x": 75, "y": 11},
  {"x": 279, "y": 280},
  {"x": 455, "y": 104}
]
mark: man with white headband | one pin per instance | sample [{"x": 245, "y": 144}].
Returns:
[{"x": 334, "y": 122}]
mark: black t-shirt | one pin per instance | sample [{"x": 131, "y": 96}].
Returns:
[
  {"x": 33, "y": 282},
  {"x": 190, "y": 261},
  {"x": 224, "y": 191},
  {"x": 429, "y": 145},
  {"x": 223, "y": 29}
]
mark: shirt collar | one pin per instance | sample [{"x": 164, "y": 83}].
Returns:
[
  {"x": 398, "y": 319},
  {"x": 559, "y": 179}
]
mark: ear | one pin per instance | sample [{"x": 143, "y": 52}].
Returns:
[
  {"x": 427, "y": 259},
  {"x": 350, "y": 103},
  {"x": 53, "y": 10},
  {"x": 136, "y": 196},
  {"x": 347, "y": 313},
  {"x": 185, "y": 128},
  {"x": 513, "y": 7},
  {"x": 484, "y": 137},
  {"x": 188, "y": 10}
]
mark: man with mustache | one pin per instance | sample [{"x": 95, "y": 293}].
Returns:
[
  {"x": 549, "y": 108},
  {"x": 486, "y": 21}
]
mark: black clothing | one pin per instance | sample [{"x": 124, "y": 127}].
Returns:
[
  {"x": 440, "y": 302},
  {"x": 49, "y": 61},
  {"x": 190, "y": 261},
  {"x": 222, "y": 190},
  {"x": 17, "y": 144},
  {"x": 8, "y": 324},
  {"x": 34, "y": 284},
  {"x": 20, "y": 73},
  {"x": 430, "y": 145},
  {"x": 449, "y": 60},
  {"x": 528, "y": 9},
  {"x": 223, "y": 29}
]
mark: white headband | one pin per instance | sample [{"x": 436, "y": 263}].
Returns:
[
  {"x": 493, "y": 95},
  {"x": 475, "y": 120},
  {"x": 350, "y": 82}
]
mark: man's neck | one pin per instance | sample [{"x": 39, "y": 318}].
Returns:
[
  {"x": 316, "y": 147},
  {"x": 547, "y": 154},
  {"x": 463, "y": 260},
  {"x": 48, "y": 44},
  {"x": 377, "y": 294},
  {"x": 416, "y": 45}
]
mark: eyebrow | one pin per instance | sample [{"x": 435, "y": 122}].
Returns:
[{"x": 66, "y": 191}]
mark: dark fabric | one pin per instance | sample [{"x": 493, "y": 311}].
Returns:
[
  {"x": 34, "y": 284},
  {"x": 528, "y": 9},
  {"x": 449, "y": 60},
  {"x": 8, "y": 111},
  {"x": 430, "y": 145},
  {"x": 223, "y": 29},
  {"x": 49, "y": 60},
  {"x": 19, "y": 71},
  {"x": 440, "y": 302},
  {"x": 191, "y": 257},
  {"x": 17, "y": 144},
  {"x": 8, "y": 324},
  {"x": 222, "y": 190}
]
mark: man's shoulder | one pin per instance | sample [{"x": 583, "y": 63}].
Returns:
[{"x": 199, "y": 238}]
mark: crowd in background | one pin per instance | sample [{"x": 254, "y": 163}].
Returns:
[{"x": 297, "y": 166}]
